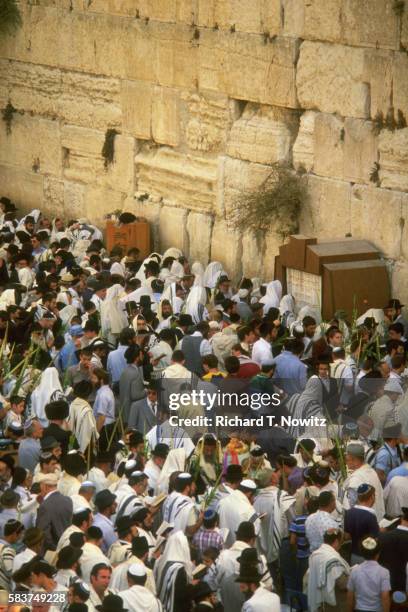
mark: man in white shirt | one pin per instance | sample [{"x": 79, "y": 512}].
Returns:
[
  {"x": 137, "y": 597},
  {"x": 262, "y": 349},
  {"x": 236, "y": 508}
]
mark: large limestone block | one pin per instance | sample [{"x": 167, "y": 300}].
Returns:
[
  {"x": 329, "y": 146},
  {"x": 199, "y": 228},
  {"x": 315, "y": 20},
  {"x": 32, "y": 145},
  {"x": 252, "y": 248},
  {"x": 150, "y": 210},
  {"x": 327, "y": 210},
  {"x": 165, "y": 117},
  {"x": 400, "y": 83},
  {"x": 370, "y": 25},
  {"x": 74, "y": 200},
  {"x": 379, "y": 74},
  {"x": 24, "y": 188},
  {"x": 173, "y": 228},
  {"x": 84, "y": 162},
  {"x": 90, "y": 101},
  {"x": 393, "y": 148},
  {"x": 158, "y": 10},
  {"x": 360, "y": 150},
  {"x": 272, "y": 242},
  {"x": 187, "y": 180},
  {"x": 211, "y": 61},
  {"x": 261, "y": 72},
  {"x": 258, "y": 137},
  {"x": 226, "y": 247},
  {"x": 239, "y": 178},
  {"x": 375, "y": 216},
  {"x": 53, "y": 196},
  {"x": 100, "y": 201},
  {"x": 330, "y": 78},
  {"x": 177, "y": 59},
  {"x": 208, "y": 122},
  {"x": 303, "y": 148},
  {"x": 404, "y": 30},
  {"x": 251, "y": 16},
  {"x": 136, "y": 100}
]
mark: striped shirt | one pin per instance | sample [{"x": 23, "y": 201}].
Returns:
[
  {"x": 7, "y": 554},
  {"x": 298, "y": 527}
]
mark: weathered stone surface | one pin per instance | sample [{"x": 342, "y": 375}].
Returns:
[
  {"x": 136, "y": 100},
  {"x": 327, "y": 211},
  {"x": 393, "y": 148},
  {"x": 226, "y": 247},
  {"x": 258, "y": 137},
  {"x": 350, "y": 22},
  {"x": 53, "y": 196},
  {"x": 378, "y": 73},
  {"x": 330, "y": 78},
  {"x": 172, "y": 228},
  {"x": 199, "y": 229},
  {"x": 74, "y": 200},
  {"x": 99, "y": 201},
  {"x": 33, "y": 145},
  {"x": 165, "y": 118},
  {"x": 316, "y": 20},
  {"x": 360, "y": 150},
  {"x": 24, "y": 188},
  {"x": 208, "y": 121},
  {"x": 272, "y": 242},
  {"x": 374, "y": 25},
  {"x": 252, "y": 248},
  {"x": 303, "y": 148},
  {"x": 186, "y": 180},
  {"x": 329, "y": 136},
  {"x": 239, "y": 178},
  {"x": 252, "y": 16},
  {"x": 367, "y": 211},
  {"x": 400, "y": 83}
]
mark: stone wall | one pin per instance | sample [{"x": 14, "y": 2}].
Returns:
[{"x": 205, "y": 95}]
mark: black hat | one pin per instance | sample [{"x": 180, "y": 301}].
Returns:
[
  {"x": 140, "y": 515},
  {"x": 393, "y": 303},
  {"x": 104, "y": 457},
  {"x": 246, "y": 530},
  {"x": 200, "y": 590},
  {"x": 77, "y": 607},
  {"x": 124, "y": 523},
  {"x": 112, "y": 603},
  {"x": 248, "y": 573},
  {"x": 234, "y": 471},
  {"x": 140, "y": 546},
  {"x": 67, "y": 556},
  {"x": 161, "y": 450},
  {"x": 4, "y": 200},
  {"x": 103, "y": 499},
  {"x": 185, "y": 320},
  {"x": 392, "y": 431},
  {"x": 248, "y": 556}
]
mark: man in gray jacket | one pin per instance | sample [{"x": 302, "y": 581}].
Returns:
[
  {"x": 131, "y": 387},
  {"x": 54, "y": 514}
]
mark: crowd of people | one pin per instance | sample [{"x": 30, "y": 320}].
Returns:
[{"x": 114, "y": 499}]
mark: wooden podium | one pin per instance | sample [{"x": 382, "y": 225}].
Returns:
[{"x": 130, "y": 235}]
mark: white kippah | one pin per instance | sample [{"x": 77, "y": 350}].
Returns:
[
  {"x": 130, "y": 464},
  {"x": 137, "y": 570},
  {"x": 184, "y": 475},
  {"x": 248, "y": 484},
  {"x": 81, "y": 509},
  {"x": 87, "y": 484}
]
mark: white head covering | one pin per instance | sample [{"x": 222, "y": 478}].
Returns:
[
  {"x": 212, "y": 273},
  {"x": 195, "y": 303},
  {"x": 272, "y": 297},
  {"x": 176, "y": 549},
  {"x": 48, "y": 390},
  {"x": 7, "y": 298},
  {"x": 175, "y": 462},
  {"x": 198, "y": 270},
  {"x": 172, "y": 252},
  {"x": 113, "y": 317}
]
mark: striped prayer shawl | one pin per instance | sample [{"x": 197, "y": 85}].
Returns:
[
  {"x": 301, "y": 410},
  {"x": 167, "y": 583}
]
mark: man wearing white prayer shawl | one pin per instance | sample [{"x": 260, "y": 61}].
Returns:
[
  {"x": 227, "y": 565},
  {"x": 396, "y": 495},
  {"x": 48, "y": 390},
  {"x": 81, "y": 418},
  {"x": 173, "y": 436},
  {"x": 327, "y": 575},
  {"x": 140, "y": 551},
  {"x": 277, "y": 506},
  {"x": 173, "y": 572},
  {"x": 360, "y": 473},
  {"x": 272, "y": 297},
  {"x": 137, "y": 597},
  {"x": 179, "y": 508},
  {"x": 91, "y": 553},
  {"x": 236, "y": 508}
]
